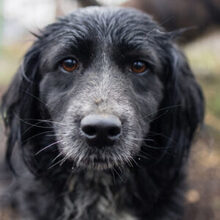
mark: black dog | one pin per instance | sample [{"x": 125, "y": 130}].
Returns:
[{"x": 101, "y": 116}]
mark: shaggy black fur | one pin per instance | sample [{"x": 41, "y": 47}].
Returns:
[{"x": 58, "y": 176}]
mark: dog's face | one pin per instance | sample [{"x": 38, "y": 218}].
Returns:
[
  {"x": 100, "y": 85},
  {"x": 103, "y": 76}
]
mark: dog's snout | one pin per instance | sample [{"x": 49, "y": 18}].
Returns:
[{"x": 101, "y": 130}]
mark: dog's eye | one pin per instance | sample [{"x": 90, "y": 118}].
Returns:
[
  {"x": 69, "y": 64},
  {"x": 138, "y": 66}
]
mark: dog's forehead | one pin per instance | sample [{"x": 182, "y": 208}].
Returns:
[
  {"x": 105, "y": 21},
  {"x": 94, "y": 29},
  {"x": 107, "y": 14}
]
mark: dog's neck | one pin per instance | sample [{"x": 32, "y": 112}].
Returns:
[{"x": 96, "y": 195}]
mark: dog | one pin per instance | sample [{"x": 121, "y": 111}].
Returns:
[{"x": 100, "y": 117}]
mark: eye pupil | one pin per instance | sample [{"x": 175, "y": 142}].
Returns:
[
  {"x": 138, "y": 67},
  {"x": 69, "y": 65}
]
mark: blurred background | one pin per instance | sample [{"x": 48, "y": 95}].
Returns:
[{"x": 201, "y": 43}]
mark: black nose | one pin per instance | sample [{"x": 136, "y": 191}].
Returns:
[{"x": 101, "y": 130}]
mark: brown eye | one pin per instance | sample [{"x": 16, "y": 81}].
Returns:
[
  {"x": 138, "y": 67},
  {"x": 69, "y": 64}
]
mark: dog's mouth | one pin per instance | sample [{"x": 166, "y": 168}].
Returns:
[
  {"x": 95, "y": 162},
  {"x": 100, "y": 147}
]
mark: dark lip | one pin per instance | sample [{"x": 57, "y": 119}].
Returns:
[
  {"x": 98, "y": 163},
  {"x": 99, "y": 160}
]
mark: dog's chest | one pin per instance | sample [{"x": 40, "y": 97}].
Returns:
[{"x": 94, "y": 200}]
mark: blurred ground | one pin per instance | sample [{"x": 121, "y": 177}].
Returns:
[{"x": 203, "y": 195}]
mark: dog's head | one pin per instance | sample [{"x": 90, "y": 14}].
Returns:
[{"x": 101, "y": 88}]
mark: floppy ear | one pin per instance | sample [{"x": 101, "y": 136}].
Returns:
[
  {"x": 17, "y": 103},
  {"x": 182, "y": 109}
]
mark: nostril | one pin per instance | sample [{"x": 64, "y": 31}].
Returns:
[
  {"x": 89, "y": 130},
  {"x": 113, "y": 132}
]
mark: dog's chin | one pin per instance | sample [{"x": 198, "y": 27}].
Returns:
[{"x": 99, "y": 164}]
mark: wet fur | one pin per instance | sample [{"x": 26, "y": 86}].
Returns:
[{"x": 142, "y": 176}]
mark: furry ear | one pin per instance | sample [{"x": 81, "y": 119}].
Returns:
[
  {"x": 18, "y": 101},
  {"x": 183, "y": 109}
]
